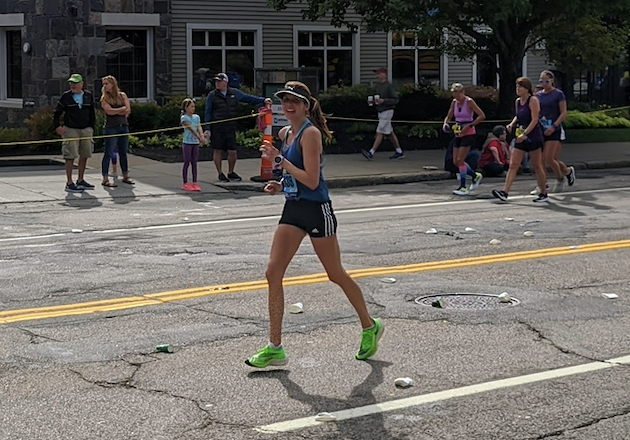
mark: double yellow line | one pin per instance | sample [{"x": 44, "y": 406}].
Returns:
[{"x": 109, "y": 305}]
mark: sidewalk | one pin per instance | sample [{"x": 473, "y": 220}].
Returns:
[{"x": 41, "y": 178}]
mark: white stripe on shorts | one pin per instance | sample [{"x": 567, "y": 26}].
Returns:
[{"x": 329, "y": 224}]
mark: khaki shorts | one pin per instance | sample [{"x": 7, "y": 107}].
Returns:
[
  {"x": 82, "y": 148},
  {"x": 385, "y": 121}
]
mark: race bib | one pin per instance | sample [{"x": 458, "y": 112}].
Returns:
[
  {"x": 546, "y": 123},
  {"x": 289, "y": 187}
]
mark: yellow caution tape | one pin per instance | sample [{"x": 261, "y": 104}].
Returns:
[{"x": 137, "y": 133}]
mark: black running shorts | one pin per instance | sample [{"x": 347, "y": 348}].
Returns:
[
  {"x": 317, "y": 219},
  {"x": 465, "y": 141}
]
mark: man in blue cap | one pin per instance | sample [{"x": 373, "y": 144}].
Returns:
[{"x": 222, "y": 104}]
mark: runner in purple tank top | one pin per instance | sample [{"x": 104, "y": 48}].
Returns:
[
  {"x": 464, "y": 109},
  {"x": 553, "y": 110},
  {"x": 529, "y": 139}
]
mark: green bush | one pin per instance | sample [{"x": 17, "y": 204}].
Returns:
[
  {"x": 98, "y": 129},
  {"x": 145, "y": 116},
  {"x": 251, "y": 138},
  {"x": 597, "y": 119},
  {"x": 42, "y": 127},
  {"x": 12, "y": 134},
  {"x": 416, "y": 102}
]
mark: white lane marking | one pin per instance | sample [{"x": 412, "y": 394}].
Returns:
[
  {"x": 276, "y": 217},
  {"x": 293, "y": 425},
  {"x": 31, "y": 237}
]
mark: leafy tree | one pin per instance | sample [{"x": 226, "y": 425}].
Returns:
[
  {"x": 506, "y": 28},
  {"x": 586, "y": 44}
]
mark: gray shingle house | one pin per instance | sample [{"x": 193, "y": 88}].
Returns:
[{"x": 159, "y": 48}]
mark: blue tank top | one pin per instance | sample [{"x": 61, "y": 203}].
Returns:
[
  {"x": 524, "y": 118},
  {"x": 293, "y": 153}
]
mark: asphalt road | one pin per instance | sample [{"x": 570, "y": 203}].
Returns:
[{"x": 89, "y": 289}]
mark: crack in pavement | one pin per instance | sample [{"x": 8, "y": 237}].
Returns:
[
  {"x": 583, "y": 425},
  {"x": 127, "y": 383},
  {"x": 33, "y": 336},
  {"x": 542, "y": 337}
]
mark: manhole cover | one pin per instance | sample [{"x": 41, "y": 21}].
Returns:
[{"x": 465, "y": 301}]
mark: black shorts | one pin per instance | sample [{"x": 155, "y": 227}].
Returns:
[
  {"x": 556, "y": 135},
  {"x": 528, "y": 146},
  {"x": 465, "y": 141},
  {"x": 317, "y": 219},
  {"x": 223, "y": 140}
]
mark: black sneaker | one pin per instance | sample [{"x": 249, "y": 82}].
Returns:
[
  {"x": 234, "y": 176},
  {"x": 542, "y": 198},
  {"x": 84, "y": 185},
  {"x": 72, "y": 188},
  {"x": 571, "y": 176},
  {"x": 501, "y": 195},
  {"x": 222, "y": 178},
  {"x": 368, "y": 155},
  {"x": 397, "y": 156}
]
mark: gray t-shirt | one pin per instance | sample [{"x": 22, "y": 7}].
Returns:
[{"x": 388, "y": 93}]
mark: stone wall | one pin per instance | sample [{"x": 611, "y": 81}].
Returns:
[{"x": 67, "y": 37}]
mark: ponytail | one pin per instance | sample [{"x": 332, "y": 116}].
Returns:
[{"x": 318, "y": 119}]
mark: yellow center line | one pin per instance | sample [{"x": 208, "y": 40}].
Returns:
[{"x": 107, "y": 305}]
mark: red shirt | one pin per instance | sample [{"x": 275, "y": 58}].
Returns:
[{"x": 487, "y": 157}]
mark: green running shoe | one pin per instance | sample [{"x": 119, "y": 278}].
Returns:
[
  {"x": 369, "y": 341},
  {"x": 268, "y": 356}
]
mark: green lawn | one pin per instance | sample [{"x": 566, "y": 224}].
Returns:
[{"x": 584, "y": 135}]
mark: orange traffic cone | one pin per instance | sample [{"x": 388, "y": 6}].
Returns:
[{"x": 265, "y": 119}]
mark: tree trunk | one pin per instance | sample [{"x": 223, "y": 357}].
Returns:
[{"x": 510, "y": 68}]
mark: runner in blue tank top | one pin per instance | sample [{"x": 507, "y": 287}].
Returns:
[
  {"x": 529, "y": 139},
  {"x": 307, "y": 211}
]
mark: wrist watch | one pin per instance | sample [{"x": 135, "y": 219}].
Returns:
[{"x": 278, "y": 160}]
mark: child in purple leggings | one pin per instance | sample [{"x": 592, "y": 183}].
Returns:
[{"x": 193, "y": 137}]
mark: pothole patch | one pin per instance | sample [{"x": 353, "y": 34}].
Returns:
[{"x": 466, "y": 301}]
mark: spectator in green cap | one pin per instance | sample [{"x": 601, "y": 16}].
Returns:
[{"x": 77, "y": 107}]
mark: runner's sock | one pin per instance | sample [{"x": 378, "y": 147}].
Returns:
[
  {"x": 462, "y": 175},
  {"x": 469, "y": 170}
]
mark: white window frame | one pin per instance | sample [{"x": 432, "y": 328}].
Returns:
[
  {"x": 356, "y": 47},
  {"x": 190, "y": 27},
  {"x": 140, "y": 22},
  {"x": 8, "y": 22},
  {"x": 150, "y": 61},
  {"x": 390, "y": 48}
]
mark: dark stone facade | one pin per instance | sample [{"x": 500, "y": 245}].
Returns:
[{"x": 67, "y": 37}]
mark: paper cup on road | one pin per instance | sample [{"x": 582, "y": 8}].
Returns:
[
  {"x": 296, "y": 308},
  {"x": 528, "y": 233},
  {"x": 467, "y": 229},
  {"x": 77, "y": 231},
  {"x": 495, "y": 241},
  {"x": 325, "y": 417},
  {"x": 388, "y": 280},
  {"x": 403, "y": 382},
  {"x": 505, "y": 297},
  {"x": 610, "y": 295},
  {"x": 431, "y": 231}
]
